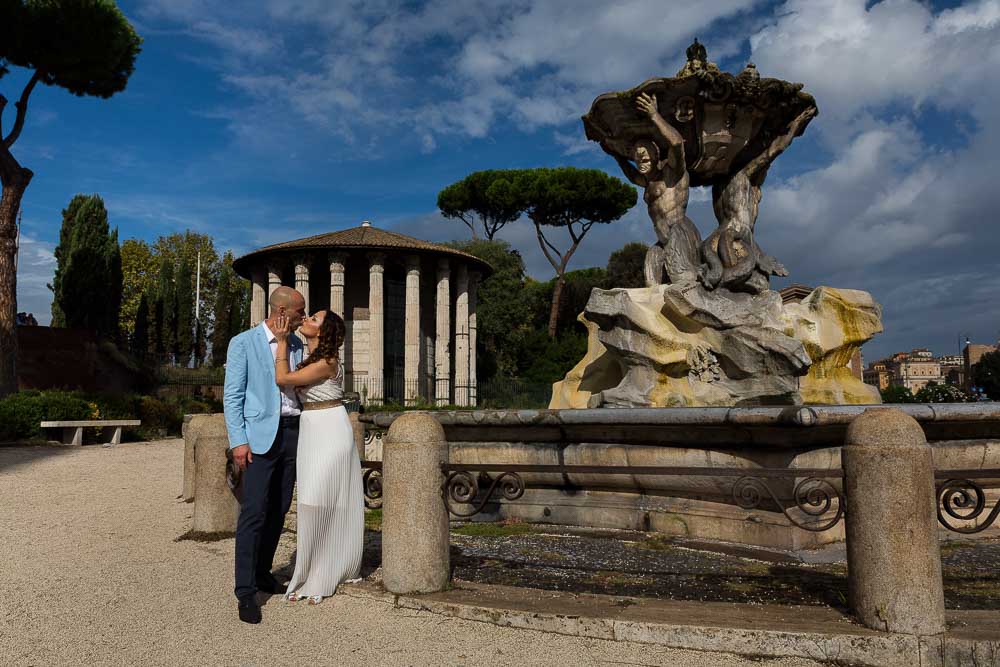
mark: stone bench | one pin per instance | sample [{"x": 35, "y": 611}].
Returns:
[{"x": 72, "y": 431}]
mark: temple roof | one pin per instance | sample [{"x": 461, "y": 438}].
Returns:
[{"x": 362, "y": 237}]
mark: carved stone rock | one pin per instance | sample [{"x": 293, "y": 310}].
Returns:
[{"x": 682, "y": 345}]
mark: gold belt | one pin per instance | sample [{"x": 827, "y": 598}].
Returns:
[{"x": 322, "y": 405}]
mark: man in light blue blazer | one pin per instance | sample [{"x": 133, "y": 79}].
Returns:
[{"x": 263, "y": 424}]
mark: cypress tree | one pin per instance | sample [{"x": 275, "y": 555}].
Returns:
[
  {"x": 88, "y": 283},
  {"x": 185, "y": 312},
  {"x": 140, "y": 335},
  {"x": 167, "y": 302},
  {"x": 222, "y": 312}
]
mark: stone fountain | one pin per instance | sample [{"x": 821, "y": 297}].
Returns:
[{"x": 707, "y": 330}]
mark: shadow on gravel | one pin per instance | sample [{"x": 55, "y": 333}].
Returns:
[{"x": 18, "y": 455}]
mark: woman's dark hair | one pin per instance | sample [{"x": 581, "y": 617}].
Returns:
[{"x": 331, "y": 336}]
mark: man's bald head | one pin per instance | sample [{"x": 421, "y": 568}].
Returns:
[
  {"x": 288, "y": 302},
  {"x": 287, "y": 298}
]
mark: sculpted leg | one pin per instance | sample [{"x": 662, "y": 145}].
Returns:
[{"x": 653, "y": 266}]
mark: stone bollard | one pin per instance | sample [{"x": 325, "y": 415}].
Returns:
[
  {"x": 414, "y": 520},
  {"x": 189, "y": 430},
  {"x": 893, "y": 557},
  {"x": 359, "y": 434},
  {"x": 215, "y": 507}
]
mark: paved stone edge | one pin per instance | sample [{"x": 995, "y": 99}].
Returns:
[{"x": 882, "y": 650}]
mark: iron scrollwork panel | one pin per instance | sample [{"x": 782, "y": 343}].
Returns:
[
  {"x": 371, "y": 481},
  {"x": 462, "y": 487},
  {"x": 813, "y": 496},
  {"x": 964, "y": 500}
]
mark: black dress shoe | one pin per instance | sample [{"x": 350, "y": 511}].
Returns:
[
  {"x": 271, "y": 585},
  {"x": 249, "y": 610}
]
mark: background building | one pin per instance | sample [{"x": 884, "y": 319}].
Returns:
[{"x": 409, "y": 306}]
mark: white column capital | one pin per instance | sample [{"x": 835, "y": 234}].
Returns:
[
  {"x": 337, "y": 259},
  {"x": 376, "y": 262}
]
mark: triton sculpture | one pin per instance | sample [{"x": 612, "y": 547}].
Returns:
[{"x": 707, "y": 329}]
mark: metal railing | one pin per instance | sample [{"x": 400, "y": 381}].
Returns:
[{"x": 815, "y": 503}]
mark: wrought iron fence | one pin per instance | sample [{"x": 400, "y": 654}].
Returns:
[{"x": 815, "y": 503}]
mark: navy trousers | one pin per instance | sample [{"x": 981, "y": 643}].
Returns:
[{"x": 267, "y": 495}]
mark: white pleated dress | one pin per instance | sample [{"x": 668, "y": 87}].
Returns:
[{"x": 331, "y": 521}]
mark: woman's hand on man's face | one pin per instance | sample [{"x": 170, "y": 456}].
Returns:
[{"x": 282, "y": 328}]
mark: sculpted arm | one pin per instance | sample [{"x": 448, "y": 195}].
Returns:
[
  {"x": 631, "y": 173},
  {"x": 667, "y": 132},
  {"x": 781, "y": 143}
]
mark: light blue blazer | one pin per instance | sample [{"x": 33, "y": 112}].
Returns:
[{"x": 252, "y": 401}]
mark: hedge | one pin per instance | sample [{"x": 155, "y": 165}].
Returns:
[{"x": 21, "y": 413}]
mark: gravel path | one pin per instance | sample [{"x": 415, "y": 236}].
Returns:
[{"x": 91, "y": 574}]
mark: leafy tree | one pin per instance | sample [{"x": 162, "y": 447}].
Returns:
[
  {"x": 986, "y": 374},
  {"x": 897, "y": 394},
  {"x": 139, "y": 279},
  {"x": 185, "y": 313},
  {"x": 940, "y": 393},
  {"x": 489, "y": 198},
  {"x": 140, "y": 332},
  {"x": 87, "y": 288},
  {"x": 176, "y": 248},
  {"x": 574, "y": 200},
  {"x": 503, "y": 311},
  {"x": 87, "y": 48},
  {"x": 625, "y": 266}
]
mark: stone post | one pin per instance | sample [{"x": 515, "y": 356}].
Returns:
[
  {"x": 258, "y": 302},
  {"x": 215, "y": 506},
  {"x": 411, "y": 332},
  {"x": 376, "y": 328},
  {"x": 189, "y": 430},
  {"x": 442, "y": 336},
  {"x": 473, "y": 380},
  {"x": 338, "y": 265},
  {"x": 893, "y": 557},
  {"x": 273, "y": 280},
  {"x": 358, "y": 429},
  {"x": 462, "y": 336},
  {"x": 415, "y": 520},
  {"x": 302, "y": 278}
]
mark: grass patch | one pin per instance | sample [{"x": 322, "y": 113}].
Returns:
[
  {"x": 655, "y": 543},
  {"x": 502, "y": 529},
  {"x": 373, "y": 519}
]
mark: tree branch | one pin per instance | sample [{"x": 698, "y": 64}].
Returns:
[
  {"x": 542, "y": 241},
  {"x": 22, "y": 109},
  {"x": 3, "y": 105}
]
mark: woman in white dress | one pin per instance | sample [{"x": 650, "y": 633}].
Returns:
[{"x": 331, "y": 522}]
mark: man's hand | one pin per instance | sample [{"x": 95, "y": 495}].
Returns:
[
  {"x": 242, "y": 457},
  {"x": 647, "y": 104}
]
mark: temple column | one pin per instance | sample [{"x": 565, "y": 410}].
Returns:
[
  {"x": 462, "y": 336},
  {"x": 258, "y": 302},
  {"x": 411, "y": 332},
  {"x": 376, "y": 329},
  {"x": 338, "y": 263},
  {"x": 473, "y": 388},
  {"x": 302, "y": 278},
  {"x": 442, "y": 338},
  {"x": 273, "y": 278}
]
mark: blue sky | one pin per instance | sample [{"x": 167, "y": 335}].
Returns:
[{"x": 264, "y": 121}]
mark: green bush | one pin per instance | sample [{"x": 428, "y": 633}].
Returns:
[
  {"x": 22, "y": 413},
  {"x": 159, "y": 416}
]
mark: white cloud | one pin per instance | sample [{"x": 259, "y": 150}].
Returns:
[{"x": 35, "y": 266}]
